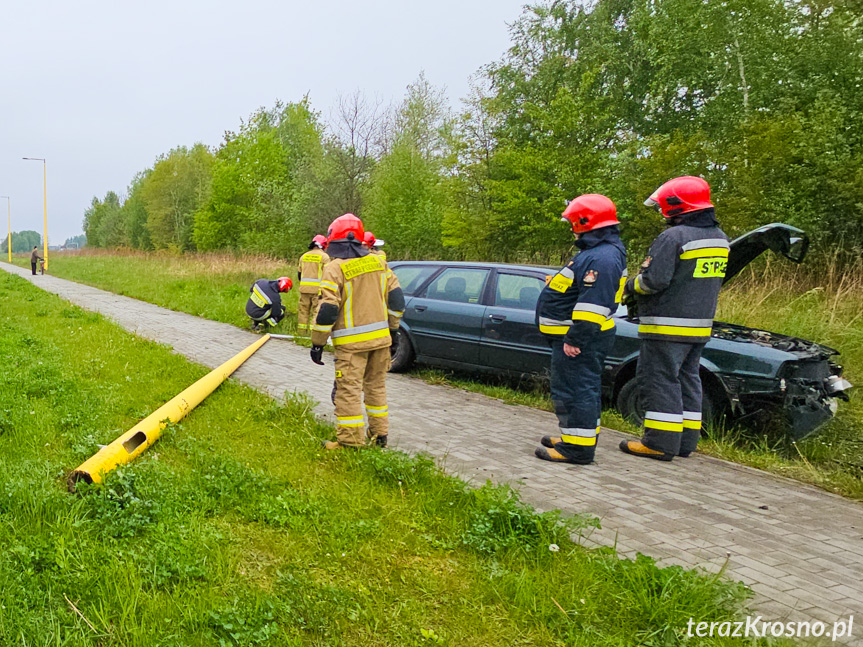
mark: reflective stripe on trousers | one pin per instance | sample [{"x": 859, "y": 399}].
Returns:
[{"x": 669, "y": 384}]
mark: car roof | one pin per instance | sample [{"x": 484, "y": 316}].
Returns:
[{"x": 499, "y": 266}]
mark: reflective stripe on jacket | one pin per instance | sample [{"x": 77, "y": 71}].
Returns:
[
  {"x": 311, "y": 269},
  {"x": 581, "y": 299},
  {"x": 369, "y": 302},
  {"x": 679, "y": 281}
]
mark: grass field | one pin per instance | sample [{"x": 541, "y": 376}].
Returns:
[
  {"x": 819, "y": 305},
  {"x": 235, "y": 528}
]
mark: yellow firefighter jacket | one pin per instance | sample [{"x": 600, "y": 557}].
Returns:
[
  {"x": 361, "y": 300},
  {"x": 377, "y": 251},
  {"x": 311, "y": 270}
]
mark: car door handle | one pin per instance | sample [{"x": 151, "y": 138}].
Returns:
[
  {"x": 420, "y": 308},
  {"x": 497, "y": 318}
]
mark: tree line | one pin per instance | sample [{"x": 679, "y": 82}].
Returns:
[{"x": 763, "y": 98}]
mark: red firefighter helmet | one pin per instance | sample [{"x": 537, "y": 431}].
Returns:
[
  {"x": 369, "y": 239},
  {"x": 285, "y": 284},
  {"x": 346, "y": 227},
  {"x": 590, "y": 211},
  {"x": 680, "y": 196},
  {"x": 320, "y": 241}
]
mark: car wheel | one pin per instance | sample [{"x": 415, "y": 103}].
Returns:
[
  {"x": 630, "y": 408},
  {"x": 402, "y": 358}
]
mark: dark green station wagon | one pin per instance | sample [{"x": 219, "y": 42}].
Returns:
[{"x": 481, "y": 317}]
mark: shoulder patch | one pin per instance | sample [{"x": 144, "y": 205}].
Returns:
[
  {"x": 590, "y": 277},
  {"x": 646, "y": 262}
]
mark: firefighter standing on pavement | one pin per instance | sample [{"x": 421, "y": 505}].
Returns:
[
  {"x": 265, "y": 303},
  {"x": 360, "y": 308},
  {"x": 374, "y": 245},
  {"x": 310, "y": 271},
  {"x": 575, "y": 313},
  {"x": 676, "y": 292}
]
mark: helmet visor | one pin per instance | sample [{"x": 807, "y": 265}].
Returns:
[{"x": 653, "y": 202}]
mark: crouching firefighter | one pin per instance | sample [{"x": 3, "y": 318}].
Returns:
[
  {"x": 265, "y": 303},
  {"x": 575, "y": 313},
  {"x": 676, "y": 292},
  {"x": 310, "y": 271},
  {"x": 360, "y": 308}
]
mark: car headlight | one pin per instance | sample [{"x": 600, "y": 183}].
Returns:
[{"x": 836, "y": 384}]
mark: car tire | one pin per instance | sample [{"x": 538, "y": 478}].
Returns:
[
  {"x": 403, "y": 357},
  {"x": 628, "y": 406}
]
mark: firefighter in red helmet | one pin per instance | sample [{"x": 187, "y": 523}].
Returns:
[
  {"x": 676, "y": 291},
  {"x": 575, "y": 313},
  {"x": 374, "y": 245},
  {"x": 309, "y": 273},
  {"x": 264, "y": 306},
  {"x": 360, "y": 308}
]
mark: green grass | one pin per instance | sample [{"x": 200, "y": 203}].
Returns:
[
  {"x": 822, "y": 306},
  {"x": 236, "y": 529},
  {"x": 211, "y": 286}
]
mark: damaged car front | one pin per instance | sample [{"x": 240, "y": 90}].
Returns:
[
  {"x": 785, "y": 379},
  {"x": 792, "y": 378}
]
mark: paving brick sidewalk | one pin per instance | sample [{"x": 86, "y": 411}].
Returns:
[{"x": 801, "y": 549}]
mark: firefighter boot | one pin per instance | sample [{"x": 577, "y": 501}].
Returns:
[
  {"x": 550, "y": 441},
  {"x": 635, "y": 448},
  {"x": 555, "y": 456}
]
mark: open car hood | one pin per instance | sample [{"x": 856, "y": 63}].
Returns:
[{"x": 783, "y": 239}]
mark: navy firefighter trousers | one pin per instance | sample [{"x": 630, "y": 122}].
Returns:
[{"x": 576, "y": 393}]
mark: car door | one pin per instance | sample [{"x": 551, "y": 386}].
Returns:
[
  {"x": 446, "y": 317},
  {"x": 510, "y": 337}
]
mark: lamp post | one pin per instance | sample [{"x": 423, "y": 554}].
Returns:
[
  {"x": 9, "y": 211},
  {"x": 44, "y": 205}
]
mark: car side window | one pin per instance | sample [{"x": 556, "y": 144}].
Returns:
[
  {"x": 411, "y": 277},
  {"x": 518, "y": 291},
  {"x": 459, "y": 284}
]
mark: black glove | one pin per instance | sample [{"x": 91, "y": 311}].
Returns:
[
  {"x": 316, "y": 354},
  {"x": 395, "y": 340}
]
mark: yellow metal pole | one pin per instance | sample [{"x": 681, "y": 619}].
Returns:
[
  {"x": 45, "y": 210},
  {"x": 9, "y": 211},
  {"x": 135, "y": 441}
]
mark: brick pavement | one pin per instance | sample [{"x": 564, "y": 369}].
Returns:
[{"x": 799, "y": 548}]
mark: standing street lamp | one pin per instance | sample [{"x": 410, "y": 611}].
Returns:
[
  {"x": 44, "y": 205},
  {"x": 9, "y": 211}
]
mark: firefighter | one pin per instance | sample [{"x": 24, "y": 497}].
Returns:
[
  {"x": 360, "y": 308},
  {"x": 676, "y": 291},
  {"x": 309, "y": 273},
  {"x": 374, "y": 245},
  {"x": 265, "y": 304},
  {"x": 575, "y": 313}
]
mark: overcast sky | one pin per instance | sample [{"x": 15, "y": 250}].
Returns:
[{"x": 102, "y": 88}]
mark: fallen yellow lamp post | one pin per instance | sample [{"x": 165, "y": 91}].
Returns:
[{"x": 135, "y": 441}]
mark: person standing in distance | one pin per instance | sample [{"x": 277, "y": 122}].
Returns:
[
  {"x": 35, "y": 258},
  {"x": 309, "y": 273},
  {"x": 575, "y": 312},
  {"x": 676, "y": 292},
  {"x": 360, "y": 308}
]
